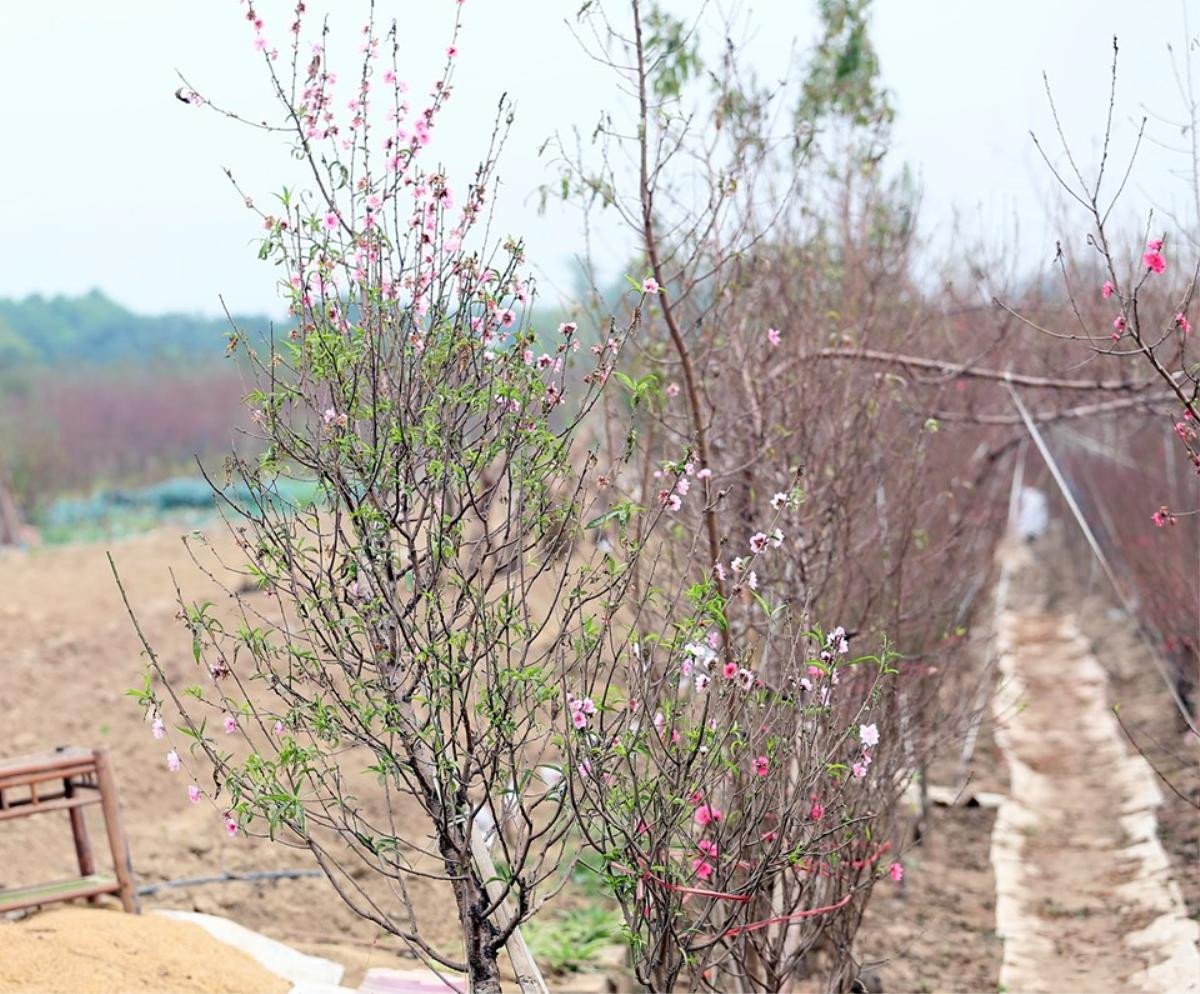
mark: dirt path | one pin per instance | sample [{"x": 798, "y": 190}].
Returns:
[{"x": 1084, "y": 896}]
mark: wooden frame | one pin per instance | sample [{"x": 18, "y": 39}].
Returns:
[{"x": 68, "y": 780}]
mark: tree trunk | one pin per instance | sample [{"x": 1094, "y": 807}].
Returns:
[
  {"x": 10, "y": 518},
  {"x": 479, "y": 934}
]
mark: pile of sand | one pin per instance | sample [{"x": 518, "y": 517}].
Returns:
[{"x": 95, "y": 951}]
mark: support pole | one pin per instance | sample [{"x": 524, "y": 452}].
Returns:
[{"x": 116, "y": 832}]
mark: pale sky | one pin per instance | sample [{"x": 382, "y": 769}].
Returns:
[{"x": 110, "y": 182}]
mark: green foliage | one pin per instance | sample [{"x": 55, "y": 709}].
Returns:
[
  {"x": 94, "y": 329},
  {"x": 673, "y": 53},
  {"x": 182, "y": 500},
  {"x": 571, "y": 941},
  {"x": 843, "y": 82}
]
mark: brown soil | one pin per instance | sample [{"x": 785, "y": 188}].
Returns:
[
  {"x": 93, "y": 951},
  {"x": 1083, "y": 903},
  {"x": 70, "y": 654},
  {"x": 936, "y": 931},
  {"x": 1152, "y": 726}
]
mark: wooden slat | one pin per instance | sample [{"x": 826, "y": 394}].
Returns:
[
  {"x": 21, "y": 765},
  {"x": 62, "y": 890},
  {"x": 9, "y": 780},
  {"x": 24, "y": 808}
]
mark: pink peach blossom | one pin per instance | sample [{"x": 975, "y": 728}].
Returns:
[{"x": 1153, "y": 258}]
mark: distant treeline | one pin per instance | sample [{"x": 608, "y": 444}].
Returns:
[
  {"x": 92, "y": 329},
  {"x": 93, "y": 396}
]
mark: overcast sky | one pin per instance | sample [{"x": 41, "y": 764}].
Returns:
[{"x": 110, "y": 182}]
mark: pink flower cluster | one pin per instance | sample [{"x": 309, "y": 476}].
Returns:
[
  {"x": 743, "y": 677},
  {"x": 837, "y": 643},
  {"x": 1163, "y": 516},
  {"x": 1153, "y": 257},
  {"x": 701, "y": 865},
  {"x": 869, "y": 737},
  {"x": 672, "y": 498},
  {"x": 582, "y": 708},
  {"x": 758, "y": 544},
  {"x": 706, "y": 814},
  {"x": 260, "y": 42}
]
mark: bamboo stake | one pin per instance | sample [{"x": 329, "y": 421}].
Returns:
[{"x": 528, "y": 975}]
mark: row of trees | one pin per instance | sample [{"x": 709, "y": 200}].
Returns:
[{"x": 92, "y": 329}]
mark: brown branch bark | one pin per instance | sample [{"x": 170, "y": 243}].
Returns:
[{"x": 952, "y": 369}]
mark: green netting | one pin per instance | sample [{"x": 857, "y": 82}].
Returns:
[{"x": 183, "y": 500}]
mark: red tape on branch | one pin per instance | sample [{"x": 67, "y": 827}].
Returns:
[
  {"x": 779, "y": 919},
  {"x": 698, "y": 891}
]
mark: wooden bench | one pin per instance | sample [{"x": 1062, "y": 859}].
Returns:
[{"x": 68, "y": 780}]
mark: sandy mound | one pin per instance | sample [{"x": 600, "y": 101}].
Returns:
[{"x": 91, "y": 951}]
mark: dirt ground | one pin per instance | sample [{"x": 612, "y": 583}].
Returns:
[
  {"x": 1087, "y": 899},
  {"x": 936, "y": 930},
  {"x": 68, "y": 654},
  {"x": 1151, "y": 723}
]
